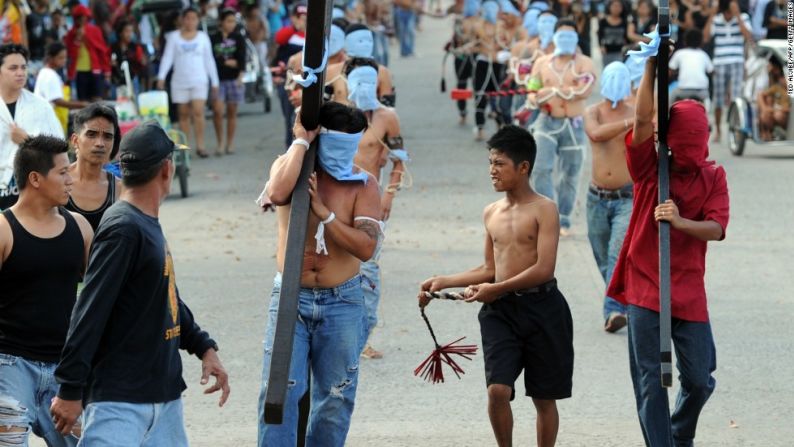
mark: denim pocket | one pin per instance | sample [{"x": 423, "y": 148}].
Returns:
[
  {"x": 355, "y": 296},
  {"x": 7, "y": 360}
]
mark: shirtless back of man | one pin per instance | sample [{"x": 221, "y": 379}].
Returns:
[{"x": 373, "y": 152}]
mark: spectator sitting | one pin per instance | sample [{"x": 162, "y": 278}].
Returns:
[
  {"x": 774, "y": 105},
  {"x": 89, "y": 56},
  {"x": 693, "y": 66}
]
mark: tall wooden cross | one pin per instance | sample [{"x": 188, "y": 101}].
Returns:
[
  {"x": 317, "y": 25},
  {"x": 665, "y": 317}
]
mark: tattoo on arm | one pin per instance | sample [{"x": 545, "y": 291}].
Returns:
[
  {"x": 369, "y": 227},
  {"x": 394, "y": 142}
]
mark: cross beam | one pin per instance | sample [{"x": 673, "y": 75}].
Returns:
[{"x": 317, "y": 25}]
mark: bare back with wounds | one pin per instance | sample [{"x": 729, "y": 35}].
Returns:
[
  {"x": 517, "y": 233},
  {"x": 610, "y": 170},
  {"x": 373, "y": 153},
  {"x": 347, "y": 200},
  {"x": 571, "y": 76}
]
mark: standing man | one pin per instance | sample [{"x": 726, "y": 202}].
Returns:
[
  {"x": 609, "y": 198},
  {"x": 560, "y": 85},
  {"x": 729, "y": 29},
  {"x": 698, "y": 213},
  {"x": 43, "y": 253},
  {"x": 122, "y": 352},
  {"x": 22, "y": 114},
  {"x": 405, "y": 19},
  {"x": 381, "y": 143},
  {"x": 331, "y": 323}
]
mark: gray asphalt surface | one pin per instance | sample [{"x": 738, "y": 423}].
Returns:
[{"x": 223, "y": 248}]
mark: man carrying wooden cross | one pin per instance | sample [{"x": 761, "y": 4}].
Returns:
[
  {"x": 331, "y": 323},
  {"x": 697, "y": 213}
]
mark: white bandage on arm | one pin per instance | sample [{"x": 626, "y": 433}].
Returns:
[
  {"x": 320, "y": 235},
  {"x": 263, "y": 196}
]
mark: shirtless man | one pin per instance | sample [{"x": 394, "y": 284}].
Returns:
[
  {"x": 509, "y": 35},
  {"x": 562, "y": 83},
  {"x": 610, "y": 197},
  {"x": 462, "y": 46},
  {"x": 494, "y": 39},
  {"x": 381, "y": 143},
  {"x": 331, "y": 324},
  {"x": 377, "y": 16},
  {"x": 96, "y": 140},
  {"x": 360, "y": 43},
  {"x": 525, "y": 321}
]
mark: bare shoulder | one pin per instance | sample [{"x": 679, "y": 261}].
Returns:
[
  {"x": 591, "y": 113},
  {"x": 491, "y": 209},
  {"x": 584, "y": 62},
  {"x": 545, "y": 208},
  {"x": 543, "y": 60},
  {"x": 85, "y": 227}
]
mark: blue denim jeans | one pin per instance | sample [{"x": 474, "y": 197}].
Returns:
[
  {"x": 124, "y": 424},
  {"x": 27, "y": 388},
  {"x": 381, "y": 49},
  {"x": 607, "y": 222},
  {"x": 329, "y": 336},
  {"x": 561, "y": 143},
  {"x": 696, "y": 360},
  {"x": 405, "y": 20},
  {"x": 370, "y": 286}
]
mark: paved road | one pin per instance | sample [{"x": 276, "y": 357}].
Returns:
[{"x": 224, "y": 254}]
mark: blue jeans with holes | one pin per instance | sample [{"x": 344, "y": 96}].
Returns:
[
  {"x": 607, "y": 222},
  {"x": 561, "y": 143},
  {"x": 124, "y": 424},
  {"x": 406, "y": 29},
  {"x": 28, "y": 386},
  {"x": 329, "y": 336},
  {"x": 696, "y": 359}
]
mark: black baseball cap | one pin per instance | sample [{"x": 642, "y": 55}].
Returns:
[{"x": 144, "y": 146}]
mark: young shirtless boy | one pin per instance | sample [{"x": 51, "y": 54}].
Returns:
[{"x": 525, "y": 321}]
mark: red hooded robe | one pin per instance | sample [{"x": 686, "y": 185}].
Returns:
[{"x": 699, "y": 189}]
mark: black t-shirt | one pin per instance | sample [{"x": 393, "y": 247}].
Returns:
[
  {"x": 12, "y": 108},
  {"x": 773, "y": 10},
  {"x": 129, "y": 322},
  {"x": 613, "y": 37},
  {"x": 232, "y": 47}
]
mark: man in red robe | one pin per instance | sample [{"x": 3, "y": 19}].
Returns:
[{"x": 697, "y": 213}]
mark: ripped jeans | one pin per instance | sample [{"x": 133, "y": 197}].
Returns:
[
  {"x": 329, "y": 335},
  {"x": 26, "y": 390}
]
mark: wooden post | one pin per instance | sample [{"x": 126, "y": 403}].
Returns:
[
  {"x": 665, "y": 317},
  {"x": 317, "y": 25}
]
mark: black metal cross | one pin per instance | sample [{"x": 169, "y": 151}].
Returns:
[
  {"x": 317, "y": 25},
  {"x": 665, "y": 317}
]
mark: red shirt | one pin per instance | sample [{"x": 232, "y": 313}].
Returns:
[{"x": 701, "y": 195}]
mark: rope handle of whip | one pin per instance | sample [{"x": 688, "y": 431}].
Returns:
[
  {"x": 310, "y": 74},
  {"x": 454, "y": 296}
]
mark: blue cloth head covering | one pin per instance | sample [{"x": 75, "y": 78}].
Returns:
[
  {"x": 362, "y": 85},
  {"x": 546, "y": 24},
  {"x": 636, "y": 70},
  {"x": 615, "y": 82},
  {"x": 508, "y": 7},
  {"x": 471, "y": 8},
  {"x": 531, "y": 22},
  {"x": 337, "y": 13},
  {"x": 565, "y": 42},
  {"x": 337, "y": 40},
  {"x": 490, "y": 11},
  {"x": 335, "y": 155},
  {"x": 359, "y": 43},
  {"x": 540, "y": 6}
]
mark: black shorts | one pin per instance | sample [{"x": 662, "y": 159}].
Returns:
[{"x": 529, "y": 332}]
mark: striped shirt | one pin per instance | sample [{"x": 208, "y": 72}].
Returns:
[{"x": 728, "y": 39}]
